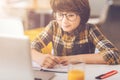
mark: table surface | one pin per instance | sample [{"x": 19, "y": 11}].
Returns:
[{"x": 93, "y": 70}]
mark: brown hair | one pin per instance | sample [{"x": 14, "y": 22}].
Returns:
[{"x": 80, "y": 7}]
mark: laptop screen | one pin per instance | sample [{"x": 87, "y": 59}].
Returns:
[{"x": 15, "y": 60}]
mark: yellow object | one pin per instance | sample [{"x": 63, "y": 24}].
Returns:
[
  {"x": 35, "y": 4},
  {"x": 33, "y": 33},
  {"x": 76, "y": 75}
]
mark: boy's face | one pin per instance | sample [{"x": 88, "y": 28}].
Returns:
[{"x": 68, "y": 21}]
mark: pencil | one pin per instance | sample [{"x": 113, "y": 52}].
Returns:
[
  {"x": 106, "y": 75},
  {"x": 44, "y": 45}
]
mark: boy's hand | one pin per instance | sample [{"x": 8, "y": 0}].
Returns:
[{"x": 49, "y": 61}]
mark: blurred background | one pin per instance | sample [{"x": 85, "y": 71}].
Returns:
[{"x": 37, "y": 13}]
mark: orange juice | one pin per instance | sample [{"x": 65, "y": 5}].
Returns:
[{"x": 76, "y": 75}]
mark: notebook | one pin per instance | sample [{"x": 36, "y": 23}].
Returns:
[
  {"x": 58, "y": 68},
  {"x": 15, "y": 61}
]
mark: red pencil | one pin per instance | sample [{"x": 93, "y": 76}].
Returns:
[{"x": 106, "y": 75}]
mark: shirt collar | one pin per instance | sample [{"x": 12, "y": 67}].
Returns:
[{"x": 75, "y": 32}]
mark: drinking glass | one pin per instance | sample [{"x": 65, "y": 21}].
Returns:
[{"x": 76, "y": 71}]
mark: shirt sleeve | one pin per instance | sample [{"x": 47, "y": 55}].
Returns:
[
  {"x": 43, "y": 38},
  {"x": 110, "y": 53}
]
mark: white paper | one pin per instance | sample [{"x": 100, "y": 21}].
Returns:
[
  {"x": 58, "y": 68},
  {"x": 35, "y": 66}
]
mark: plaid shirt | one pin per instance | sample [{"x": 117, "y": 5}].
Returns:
[{"x": 83, "y": 40}]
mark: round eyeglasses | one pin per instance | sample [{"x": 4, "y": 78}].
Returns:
[{"x": 70, "y": 16}]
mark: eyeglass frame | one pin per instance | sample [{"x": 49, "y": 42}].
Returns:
[{"x": 66, "y": 15}]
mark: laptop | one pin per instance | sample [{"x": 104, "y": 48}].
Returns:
[
  {"x": 15, "y": 61},
  {"x": 15, "y": 57}
]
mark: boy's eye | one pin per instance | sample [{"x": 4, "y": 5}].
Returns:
[{"x": 70, "y": 15}]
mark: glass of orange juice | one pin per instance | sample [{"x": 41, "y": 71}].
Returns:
[{"x": 76, "y": 71}]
